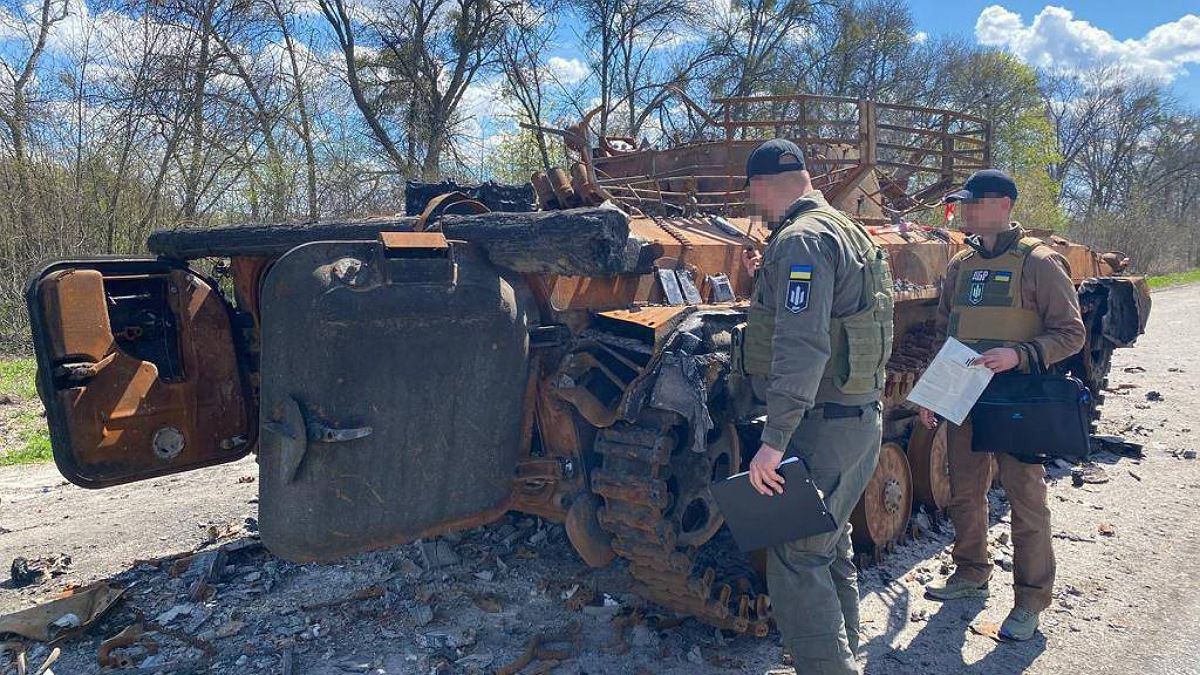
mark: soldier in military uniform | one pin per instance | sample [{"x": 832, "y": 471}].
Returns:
[
  {"x": 1009, "y": 297},
  {"x": 819, "y": 334}
]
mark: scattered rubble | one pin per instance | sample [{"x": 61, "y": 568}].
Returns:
[
  {"x": 1153, "y": 396},
  {"x": 1117, "y": 445},
  {"x": 68, "y": 614},
  {"x": 1088, "y": 473},
  {"x": 27, "y": 572}
]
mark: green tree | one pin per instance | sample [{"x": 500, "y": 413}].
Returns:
[{"x": 517, "y": 157}]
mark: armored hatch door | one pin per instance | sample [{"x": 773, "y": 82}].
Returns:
[
  {"x": 138, "y": 370},
  {"x": 394, "y": 375}
]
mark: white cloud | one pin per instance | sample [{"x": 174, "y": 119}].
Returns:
[
  {"x": 567, "y": 71},
  {"x": 920, "y": 37},
  {"x": 1055, "y": 39}
]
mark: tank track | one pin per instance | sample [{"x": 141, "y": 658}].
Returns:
[{"x": 634, "y": 483}]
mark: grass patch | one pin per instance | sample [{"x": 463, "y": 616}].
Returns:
[
  {"x": 1176, "y": 279},
  {"x": 17, "y": 378},
  {"x": 24, "y": 438},
  {"x": 33, "y": 447}
]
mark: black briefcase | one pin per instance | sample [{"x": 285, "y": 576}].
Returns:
[{"x": 1036, "y": 414}]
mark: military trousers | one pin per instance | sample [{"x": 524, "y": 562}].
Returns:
[
  {"x": 812, "y": 581},
  {"x": 1025, "y": 486}
]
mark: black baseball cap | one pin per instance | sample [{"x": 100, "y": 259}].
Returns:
[
  {"x": 985, "y": 183},
  {"x": 778, "y": 155}
]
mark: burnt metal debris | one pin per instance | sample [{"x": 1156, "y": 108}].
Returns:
[{"x": 405, "y": 377}]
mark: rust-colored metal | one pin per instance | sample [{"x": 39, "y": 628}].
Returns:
[
  {"x": 140, "y": 416},
  {"x": 874, "y": 160},
  {"x": 882, "y": 514},
  {"x": 125, "y": 638},
  {"x": 411, "y": 240},
  {"x": 450, "y": 203},
  {"x": 598, "y": 451},
  {"x": 636, "y": 498},
  {"x": 930, "y": 467}
]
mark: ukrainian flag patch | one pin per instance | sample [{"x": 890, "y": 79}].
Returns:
[
  {"x": 1003, "y": 277},
  {"x": 800, "y": 273}
]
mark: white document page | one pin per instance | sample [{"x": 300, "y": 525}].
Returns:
[{"x": 951, "y": 385}]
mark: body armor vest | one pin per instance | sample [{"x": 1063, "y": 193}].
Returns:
[
  {"x": 860, "y": 343},
  {"x": 986, "y": 311}
]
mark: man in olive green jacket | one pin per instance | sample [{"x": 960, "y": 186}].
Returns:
[{"x": 819, "y": 334}]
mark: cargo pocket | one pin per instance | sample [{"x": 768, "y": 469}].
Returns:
[{"x": 866, "y": 337}]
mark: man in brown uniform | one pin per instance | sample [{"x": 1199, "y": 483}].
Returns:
[{"x": 1009, "y": 297}]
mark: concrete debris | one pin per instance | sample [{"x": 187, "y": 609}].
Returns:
[
  {"x": 1153, "y": 396},
  {"x": 1183, "y": 454},
  {"x": 421, "y": 615},
  {"x": 1004, "y": 562},
  {"x": 369, "y": 593},
  {"x": 642, "y": 635},
  {"x": 169, "y": 616},
  {"x": 67, "y": 621},
  {"x": 229, "y": 629},
  {"x": 919, "y": 615},
  {"x": 438, "y": 554},
  {"x": 1107, "y": 529},
  {"x": 478, "y": 660}
]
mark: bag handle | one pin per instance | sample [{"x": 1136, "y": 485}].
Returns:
[{"x": 1033, "y": 358}]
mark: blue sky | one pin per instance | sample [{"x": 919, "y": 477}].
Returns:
[
  {"x": 1073, "y": 43},
  {"x": 1154, "y": 38}
]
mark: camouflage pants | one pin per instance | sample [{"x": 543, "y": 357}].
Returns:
[{"x": 812, "y": 581}]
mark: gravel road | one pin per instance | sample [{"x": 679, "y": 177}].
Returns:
[{"x": 1125, "y": 603}]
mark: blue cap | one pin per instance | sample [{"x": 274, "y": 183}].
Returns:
[
  {"x": 778, "y": 155},
  {"x": 985, "y": 183}
]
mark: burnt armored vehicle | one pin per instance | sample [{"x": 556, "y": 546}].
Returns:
[{"x": 404, "y": 377}]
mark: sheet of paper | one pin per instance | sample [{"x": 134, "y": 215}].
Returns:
[{"x": 951, "y": 385}]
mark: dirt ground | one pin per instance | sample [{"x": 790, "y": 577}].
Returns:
[{"x": 1127, "y": 601}]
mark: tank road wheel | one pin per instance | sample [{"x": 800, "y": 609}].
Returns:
[
  {"x": 881, "y": 517},
  {"x": 658, "y": 511},
  {"x": 693, "y": 513},
  {"x": 930, "y": 466}
]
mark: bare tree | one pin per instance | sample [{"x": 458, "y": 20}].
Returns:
[
  {"x": 18, "y": 79},
  {"x": 338, "y": 17}
]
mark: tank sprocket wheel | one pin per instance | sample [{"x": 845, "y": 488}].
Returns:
[
  {"x": 881, "y": 517},
  {"x": 930, "y": 466},
  {"x": 647, "y": 482}
]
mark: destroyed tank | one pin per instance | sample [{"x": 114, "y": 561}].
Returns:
[{"x": 405, "y": 377}]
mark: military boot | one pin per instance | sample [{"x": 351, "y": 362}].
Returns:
[
  {"x": 1020, "y": 625},
  {"x": 957, "y": 587}
]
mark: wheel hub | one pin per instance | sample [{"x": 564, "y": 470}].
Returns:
[{"x": 893, "y": 495}]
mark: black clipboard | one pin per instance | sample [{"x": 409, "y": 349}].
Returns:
[{"x": 758, "y": 521}]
